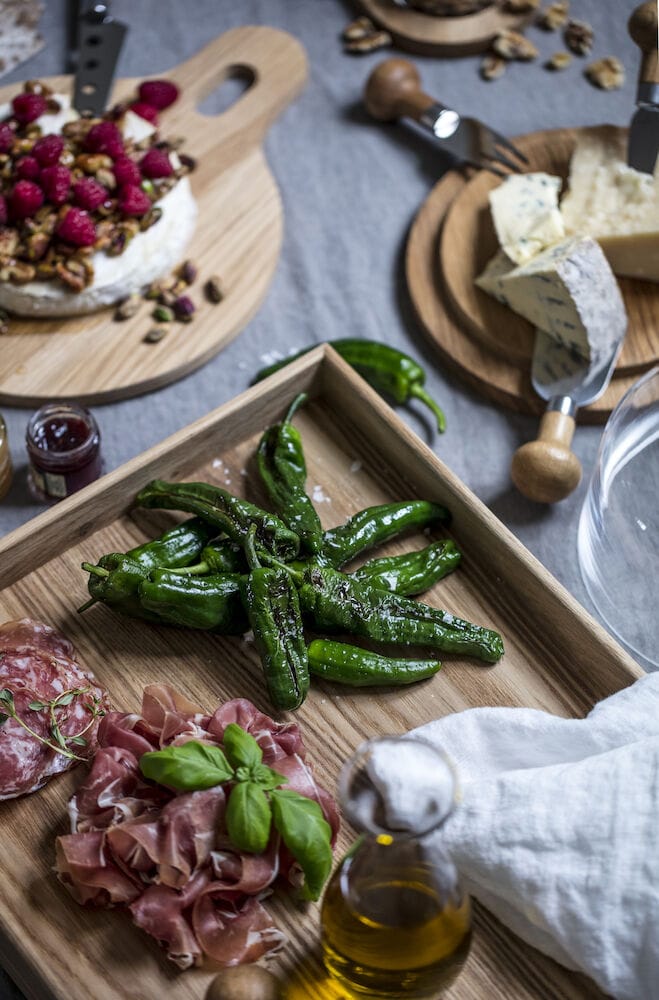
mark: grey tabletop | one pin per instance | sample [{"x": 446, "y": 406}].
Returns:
[{"x": 351, "y": 189}]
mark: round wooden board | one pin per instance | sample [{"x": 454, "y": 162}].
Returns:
[
  {"x": 468, "y": 242},
  {"x": 428, "y": 35},
  {"x": 495, "y": 377},
  {"x": 97, "y": 359}
]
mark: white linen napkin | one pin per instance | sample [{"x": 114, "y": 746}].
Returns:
[{"x": 558, "y": 830}]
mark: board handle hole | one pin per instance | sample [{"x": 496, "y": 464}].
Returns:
[{"x": 237, "y": 80}]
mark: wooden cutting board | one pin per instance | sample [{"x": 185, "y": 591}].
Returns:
[
  {"x": 428, "y": 35},
  {"x": 358, "y": 453},
  {"x": 238, "y": 236},
  {"x": 450, "y": 242}
]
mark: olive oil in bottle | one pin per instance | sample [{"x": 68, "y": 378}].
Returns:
[{"x": 395, "y": 921}]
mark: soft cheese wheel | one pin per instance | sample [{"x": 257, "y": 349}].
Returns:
[
  {"x": 148, "y": 256},
  {"x": 569, "y": 291},
  {"x": 616, "y": 205}
]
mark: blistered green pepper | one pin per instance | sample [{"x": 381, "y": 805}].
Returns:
[
  {"x": 411, "y": 572},
  {"x": 357, "y": 667},
  {"x": 376, "y": 525},
  {"x": 212, "y": 603}
]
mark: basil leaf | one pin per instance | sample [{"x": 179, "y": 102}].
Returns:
[
  {"x": 267, "y": 778},
  {"x": 241, "y": 748},
  {"x": 307, "y": 835},
  {"x": 248, "y": 818},
  {"x": 187, "y": 768}
]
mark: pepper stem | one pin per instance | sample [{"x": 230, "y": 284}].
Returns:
[
  {"x": 419, "y": 392},
  {"x": 88, "y": 604},
  {"x": 96, "y": 570},
  {"x": 199, "y": 569},
  {"x": 301, "y": 398},
  {"x": 253, "y": 560}
]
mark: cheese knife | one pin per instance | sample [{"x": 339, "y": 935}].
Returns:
[
  {"x": 547, "y": 470},
  {"x": 99, "y": 39},
  {"x": 644, "y": 129}
]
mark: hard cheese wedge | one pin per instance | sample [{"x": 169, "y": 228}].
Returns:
[
  {"x": 526, "y": 215},
  {"x": 616, "y": 205},
  {"x": 568, "y": 290}
]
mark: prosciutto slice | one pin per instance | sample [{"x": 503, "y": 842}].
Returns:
[
  {"x": 166, "y": 856},
  {"x": 37, "y": 663}
]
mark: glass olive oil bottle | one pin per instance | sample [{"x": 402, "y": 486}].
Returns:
[{"x": 395, "y": 920}]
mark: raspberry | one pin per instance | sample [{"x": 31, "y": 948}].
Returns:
[
  {"x": 27, "y": 168},
  {"x": 89, "y": 194},
  {"x": 76, "y": 227},
  {"x": 126, "y": 171},
  {"x": 158, "y": 93},
  {"x": 48, "y": 149},
  {"x": 105, "y": 138},
  {"x": 28, "y": 107},
  {"x": 56, "y": 182},
  {"x": 155, "y": 163},
  {"x": 133, "y": 201},
  {"x": 3, "y": 210},
  {"x": 7, "y": 136},
  {"x": 146, "y": 111},
  {"x": 25, "y": 199}
]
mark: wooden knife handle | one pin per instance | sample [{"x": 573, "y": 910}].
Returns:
[
  {"x": 642, "y": 27},
  {"x": 393, "y": 90},
  {"x": 546, "y": 470}
]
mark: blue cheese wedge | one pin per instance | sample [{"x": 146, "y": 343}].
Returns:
[
  {"x": 568, "y": 290},
  {"x": 526, "y": 215}
]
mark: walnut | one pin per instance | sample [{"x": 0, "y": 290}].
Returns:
[
  {"x": 607, "y": 73},
  {"x": 91, "y": 163},
  {"x": 559, "y": 60},
  {"x": 555, "y": 15},
  {"x": 492, "y": 66},
  {"x": 579, "y": 37},
  {"x": 360, "y": 28},
  {"x": 8, "y": 242},
  {"x": 37, "y": 245},
  {"x": 511, "y": 45},
  {"x": 369, "y": 43}
]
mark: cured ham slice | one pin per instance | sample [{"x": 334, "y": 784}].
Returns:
[
  {"x": 37, "y": 663},
  {"x": 167, "y": 856}
]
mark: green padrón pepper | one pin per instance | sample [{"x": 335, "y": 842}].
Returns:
[
  {"x": 212, "y": 603},
  {"x": 272, "y": 605},
  {"x": 376, "y": 525},
  {"x": 283, "y": 470},
  {"x": 220, "y": 556},
  {"x": 357, "y": 667},
  {"x": 387, "y": 369},
  {"x": 178, "y": 546},
  {"x": 411, "y": 572},
  {"x": 232, "y": 515},
  {"x": 115, "y": 581},
  {"x": 337, "y": 601}
]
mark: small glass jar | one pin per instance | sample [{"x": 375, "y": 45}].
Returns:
[
  {"x": 6, "y": 471},
  {"x": 395, "y": 921},
  {"x": 64, "y": 449}
]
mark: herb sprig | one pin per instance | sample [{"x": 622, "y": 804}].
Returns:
[
  {"x": 58, "y": 741},
  {"x": 256, "y": 803}
]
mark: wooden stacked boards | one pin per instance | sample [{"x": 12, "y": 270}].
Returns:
[
  {"x": 359, "y": 453},
  {"x": 96, "y": 359},
  {"x": 490, "y": 346}
]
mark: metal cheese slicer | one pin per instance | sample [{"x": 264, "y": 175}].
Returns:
[
  {"x": 393, "y": 90},
  {"x": 547, "y": 470}
]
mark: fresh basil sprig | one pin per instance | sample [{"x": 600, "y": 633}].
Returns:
[
  {"x": 256, "y": 801},
  {"x": 189, "y": 767}
]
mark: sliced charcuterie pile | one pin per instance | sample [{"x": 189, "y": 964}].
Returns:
[
  {"x": 169, "y": 854},
  {"x": 50, "y": 707}
]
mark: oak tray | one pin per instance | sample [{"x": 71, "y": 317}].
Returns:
[
  {"x": 96, "y": 359},
  {"x": 451, "y": 241},
  {"x": 359, "y": 453}
]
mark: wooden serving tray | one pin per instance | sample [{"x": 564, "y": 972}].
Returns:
[
  {"x": 428, "y": 35},
  {"x": 450, "y": 242},
  {"x": 359, "y": 453},
  {"x": 238, "y": 235}
]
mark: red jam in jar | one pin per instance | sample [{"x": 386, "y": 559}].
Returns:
[{"x": 64, "y": 448}]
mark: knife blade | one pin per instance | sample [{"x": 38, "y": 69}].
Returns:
[
  {"x": 644, "y": 129},
  {"x": 546, "y": 470},
  {"x": 100, "y": 39}
]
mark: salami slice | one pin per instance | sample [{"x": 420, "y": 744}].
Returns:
[{"x": 37, "y": 664}]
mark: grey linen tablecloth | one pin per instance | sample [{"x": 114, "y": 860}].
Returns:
[{"x": 351, "y": 189}]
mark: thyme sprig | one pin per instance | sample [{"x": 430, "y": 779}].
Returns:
[{"x": 58, "y": 741}]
